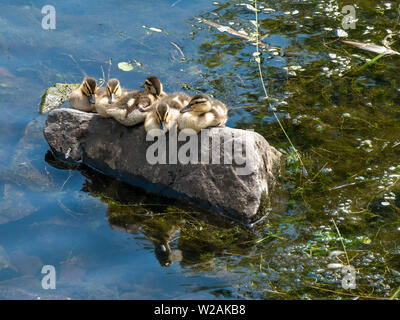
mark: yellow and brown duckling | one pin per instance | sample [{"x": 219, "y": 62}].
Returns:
[
  {"x": 84, "y": 97},
  {"x": 164, "y": 113},
  {"x": 106, "y": 97},
  {"x": 135, "y": 105},
  {"x": 203, "y": 112}
]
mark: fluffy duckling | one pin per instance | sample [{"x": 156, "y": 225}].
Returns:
[
  {"x": 105, "y": 97},
  {"x": 135, "y": 105},
  {"x": 83, "y": 98},
  {"x": 203, "y": 112},
  {"x": 165, "y": 112}
]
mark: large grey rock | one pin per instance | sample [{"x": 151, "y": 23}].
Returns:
[{"x": 124, "y": 153}]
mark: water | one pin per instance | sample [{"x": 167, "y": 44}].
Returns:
[{"x": 109, "y": 240}]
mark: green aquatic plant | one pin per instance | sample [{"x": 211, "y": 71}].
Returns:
[{"x": 258, "y": 60}]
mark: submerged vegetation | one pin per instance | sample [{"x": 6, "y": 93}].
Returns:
[{"x": 333, "y": 110}]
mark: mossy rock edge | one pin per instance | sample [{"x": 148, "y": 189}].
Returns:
[{"x": 55, "y": 96}]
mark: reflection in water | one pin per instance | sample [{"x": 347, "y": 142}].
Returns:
[{"x": 179, "y": 232}]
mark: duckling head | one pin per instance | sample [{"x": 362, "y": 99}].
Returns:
[
  {"x": 153, "y": 86},
  {"x": 200, "y": 103},
  {"x": 114, "y": 90},
  {"x": 89, "y": 87},
  {"x": 162, "y": 112}
]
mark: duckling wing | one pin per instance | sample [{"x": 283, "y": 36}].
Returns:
[
  {"x": 133, "y": 100},
  {"x": 127, "y": 100},
  {"x": 128, "y": 120},
  {"x": 143, "y": 101},
  {"x": 177, "y": 100},
  {"x": 221, "y": 112},
  {"x": 116, "y": 113},
  {"x": 134, "y": 117}
]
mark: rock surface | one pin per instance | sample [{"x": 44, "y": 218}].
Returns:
[{"x": 238, "y": 190}]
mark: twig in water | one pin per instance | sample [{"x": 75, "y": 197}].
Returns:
[
  {"x": 69, "y": 176},
  {"x": 346, "y": 294},
  {"x": 345, "y": 185},
  {"x": 179, "y": 49},
  {"x": 175, "y": 3},
  {"x": 372, "y": 47},
  {"x": 109, "y": 68},
  {"x": 104, "y": 77},
  {"x": 385, "y": 41},
  {"x": 68, "y": 211},
  {"x": 77, "y": 64},
  {"x": 341, "y": 240},
  {"x": 233, "y": 32},
  {"x": 395, "y": 294}
]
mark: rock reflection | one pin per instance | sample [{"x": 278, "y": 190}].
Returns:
[{"x": 178, "y": 232}]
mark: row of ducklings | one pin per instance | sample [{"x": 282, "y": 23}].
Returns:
[{"x": 154, "y": 107}]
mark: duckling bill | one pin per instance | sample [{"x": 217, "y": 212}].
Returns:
[
  {"x": 84, "y": 97},
  {"x": 165, "y": 113},
  {"x": 105, "y": 97}
]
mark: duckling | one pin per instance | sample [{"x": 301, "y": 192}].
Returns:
[
  {"x": 105, "y": 97},
  {"x": 203, "y": 112},
  {"x": 165, "y": 112},
  {"x": 135, "y": 105},
  {"x": 83, "y": 98}
]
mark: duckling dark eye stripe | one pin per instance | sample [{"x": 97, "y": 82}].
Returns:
[
  {"x": 197, "y": 102},
  {"x": 87, "y": 87}
]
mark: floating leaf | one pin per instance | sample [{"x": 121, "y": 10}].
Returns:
[
  {"x": 125, "y": 66},
  {"x": 371, "y": 47}
]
